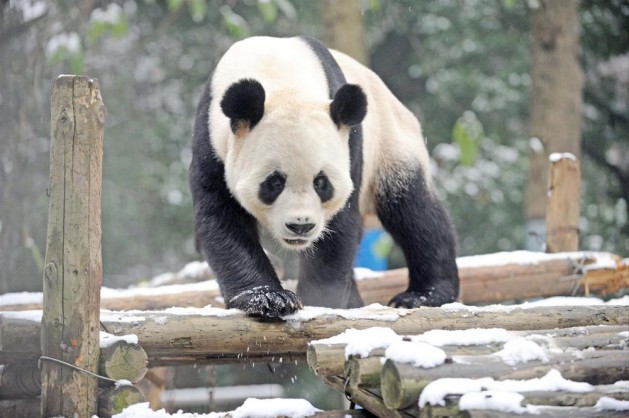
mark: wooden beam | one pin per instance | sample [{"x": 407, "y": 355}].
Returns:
[
  {"x": 562, "y": 203},
  {"x": 566, "y": 274},
  {"x": 198, "y": 336},
  {"x": 73, "y": 267}
]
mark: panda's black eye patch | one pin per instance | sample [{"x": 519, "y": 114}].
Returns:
[
  {"x": 323, "y": 187},
  {"x": 271, "y": 187}
]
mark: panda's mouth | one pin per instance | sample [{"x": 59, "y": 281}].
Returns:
[{"x": 296, "y": 242}]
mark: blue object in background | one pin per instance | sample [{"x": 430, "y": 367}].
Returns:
[{"x": 373, "y": 250}]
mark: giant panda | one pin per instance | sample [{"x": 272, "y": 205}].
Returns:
[{"x": 304, "y": 141}]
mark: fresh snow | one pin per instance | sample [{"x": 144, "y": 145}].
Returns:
[
  {"x": 521, "y": 350},
  {"x": 495, "y": 400},
  {"x": 107, "y": 339},
  {"x": 471, "y": 336},
  {"x": 435, "y": 392},
  {"x": 361, "y": 342},
  {"x": 251, "y": 408},
  {"x": 374, "y": 311},
  {"x": 610, "y": 404},
  {"x": 418, "y": 354},
  {"x": 556, "y": 156}
]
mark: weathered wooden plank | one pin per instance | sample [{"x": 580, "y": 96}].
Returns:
[
  {"x": 73, "y": 269},
  {"x": 562, "y": 204}
]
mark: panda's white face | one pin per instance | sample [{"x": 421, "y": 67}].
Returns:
[{"x": 292, "y": 170}]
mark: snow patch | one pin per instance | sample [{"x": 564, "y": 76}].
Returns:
[
  {"x": 557, "y": 156},
  {"x": 436, "y": 391},
  {"x": 472, "y": 336},
  {"x": 270, "y": 408},
  {"x": 610, "y": 404},
  {"x": 361, "y": 342},
  {"x": 107, "y": 339},
  {"x": 419, "y": 354},
  {"x": 521, "y": 350},
  {"x": 495, "y": 400},
  {"x": 374, "y": 311}
]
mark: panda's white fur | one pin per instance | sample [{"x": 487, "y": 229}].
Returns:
[{"x": 297, "y": 136}]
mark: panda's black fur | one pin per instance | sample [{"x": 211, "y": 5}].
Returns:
[{"x": 227, "y": 234}]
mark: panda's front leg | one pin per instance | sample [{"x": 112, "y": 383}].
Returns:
[
  {"x": 420, "y": 225},
  {"x": 326, "y": 275},
  {"x": 228, "y": 238}
]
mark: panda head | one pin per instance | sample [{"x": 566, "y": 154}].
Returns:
[{"x": 288, "y": 161}]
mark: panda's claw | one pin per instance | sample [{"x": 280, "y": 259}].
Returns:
[
  {"x": 267, "y": 303},
  {"x": 413, "y": 299}
]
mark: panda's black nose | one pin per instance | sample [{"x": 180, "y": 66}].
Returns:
[{"x": 300, "y": 229}]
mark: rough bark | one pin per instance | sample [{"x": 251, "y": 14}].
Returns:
[{"x": 73, "y": 266}]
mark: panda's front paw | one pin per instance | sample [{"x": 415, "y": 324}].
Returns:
[
  {"x": 412, "y": 299},
  {"x": 264, "y": 302}
]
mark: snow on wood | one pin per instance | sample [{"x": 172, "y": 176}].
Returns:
[
  {"x": 571, "y": 359},
  {"x": 171, "y": 338},
  {"x": 490, "y": 278}
]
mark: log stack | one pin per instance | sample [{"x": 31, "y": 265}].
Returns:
[{"x": 594, "y": 352}]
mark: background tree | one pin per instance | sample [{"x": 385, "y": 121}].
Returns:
[{"x": 556, "y": 103}]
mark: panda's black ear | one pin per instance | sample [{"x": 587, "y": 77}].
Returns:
[
  {"x": 349, "y": 106},
  {"x": 243, "y": 104}
]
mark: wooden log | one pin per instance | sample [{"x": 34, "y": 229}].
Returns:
[
  {"x": 170, "y": 338},
  {"x": 20, "y": 407},
  {"x": 402, "y": 383},
  {"x": 113, "y": 400},
  {"x": 330, "y": 360},
  {"x": 562, "y": 203},
  {"x": 20, "y": 380},
  {"x": 369, "y": 400},
  {"x": 564, "y": 274},
  {"x": 123, "y": 361},
  {"x": 73, "y": 267},
  {"x": 363, "y": 372}
]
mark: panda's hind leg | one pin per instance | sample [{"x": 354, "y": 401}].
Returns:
[{"x": 420, "y": 225}]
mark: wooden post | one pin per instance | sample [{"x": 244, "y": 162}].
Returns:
[
  {"x": 73, "y": 267},
  {"x": 562, "y": 210}
]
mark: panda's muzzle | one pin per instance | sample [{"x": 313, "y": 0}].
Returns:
[{"x": 300, "y": 229}]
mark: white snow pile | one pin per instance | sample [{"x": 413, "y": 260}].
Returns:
[
  {"x": 107, "y": 339},
  {"x": 610, "y": 404},
  {"x": 251, "y": 408},
  {"x": 374, "y": 311},
  {"x": 422, "y": 350},
  {"x": 504, "y": 394}
]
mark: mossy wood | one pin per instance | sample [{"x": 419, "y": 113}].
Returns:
[{"x": 73, "y": 267}]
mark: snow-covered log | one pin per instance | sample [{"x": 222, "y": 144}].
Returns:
[
  {"x": 402, "y": 383},
  {"x": 203, "y": 335},
  {"x": 490, "y": 278}
]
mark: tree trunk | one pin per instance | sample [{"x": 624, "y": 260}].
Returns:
[
  {"x": 556, "y": 101},
  {"x": 343, "y": 27}
]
